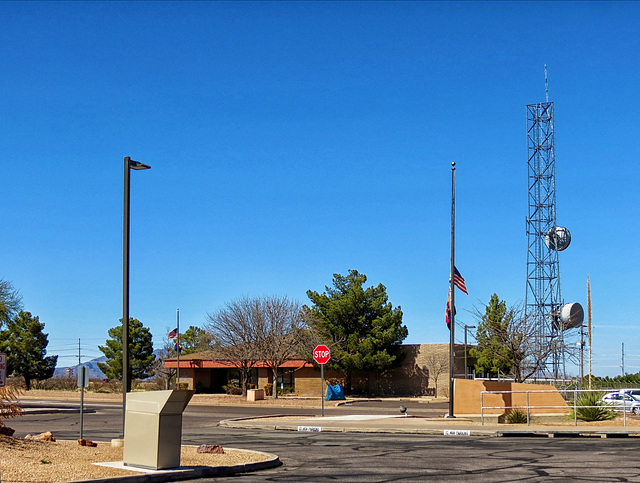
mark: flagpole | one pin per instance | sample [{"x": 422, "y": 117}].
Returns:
[
  {"x": 178, "y": 348},
  {"x": 452, "y": 316}
]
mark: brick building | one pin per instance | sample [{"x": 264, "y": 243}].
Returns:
[{"x": 424, "y": 370}]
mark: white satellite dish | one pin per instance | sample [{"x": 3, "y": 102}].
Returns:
[
  {"x": 571, "y": 315},
  {"x": 558, "y": 238}
]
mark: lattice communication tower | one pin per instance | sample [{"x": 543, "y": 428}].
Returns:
[{"x": 543, "y": 296}]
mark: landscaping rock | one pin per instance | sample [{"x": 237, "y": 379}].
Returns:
[
  {"x": 210, "y": 448},
  {"x": 47, "y": 436}
]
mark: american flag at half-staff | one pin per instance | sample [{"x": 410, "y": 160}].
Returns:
[{"x": 458, "y": 281}]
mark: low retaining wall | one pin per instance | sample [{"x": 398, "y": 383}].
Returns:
[{"x": 467, "y": 399}]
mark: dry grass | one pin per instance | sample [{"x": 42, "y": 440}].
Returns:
[{"x": 28, "y": 461}]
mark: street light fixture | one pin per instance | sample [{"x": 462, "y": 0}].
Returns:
[
  {"x": 465, "y": 349},
  {"x": 129, "y": 164}
]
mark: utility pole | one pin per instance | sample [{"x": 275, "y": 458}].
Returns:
[
  {"x": 178, "y": 348},
  {"x": 589, "y": 324}
]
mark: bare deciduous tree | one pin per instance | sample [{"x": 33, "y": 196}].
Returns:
[
  {"x": 235, "y": 330},
  {"x": 437, "y": 363},
  {"x": 281, "y": 333},
  {"x": 267, "y": 329},
  {"x": 158, "y": 368}
]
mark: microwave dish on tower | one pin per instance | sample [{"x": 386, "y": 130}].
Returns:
[{"x": 557, "y": 238}]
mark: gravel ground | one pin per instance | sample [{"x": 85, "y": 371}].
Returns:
[{"x": 29, "y": 461}]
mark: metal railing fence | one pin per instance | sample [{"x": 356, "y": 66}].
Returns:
[{"x": 563, "y": 393}]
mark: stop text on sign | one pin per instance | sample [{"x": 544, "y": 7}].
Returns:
[{"x": 321, "y": 354}]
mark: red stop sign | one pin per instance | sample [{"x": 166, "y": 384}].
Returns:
[{"x": 321, "y": 354}]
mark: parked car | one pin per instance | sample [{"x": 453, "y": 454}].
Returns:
[
  {"x": 633, "y": 392},
  {"x": 622, "y": 400}
]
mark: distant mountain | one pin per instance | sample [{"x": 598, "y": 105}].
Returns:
[
  {"x": 92, "y": 365},
  {"x": 94, "y": 370}
]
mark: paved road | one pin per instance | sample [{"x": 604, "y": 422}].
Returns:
[
  {"x": 375, "y": 457},
  {"x": 103, "y": 421},
  {"x": 402, "y": 458}
]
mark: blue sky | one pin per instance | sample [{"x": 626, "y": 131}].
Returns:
[{"x": 290, "y": 141}]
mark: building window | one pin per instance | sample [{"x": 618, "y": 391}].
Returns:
[
  {"x": 234, "y": 376},
  {"x": 286, "y": 380}
]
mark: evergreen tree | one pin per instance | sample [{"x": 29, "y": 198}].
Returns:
[
  {"x": 493, "y": 351},
  {"x": 194, "y": 339},
  {"x": 359, "y": 324},
  {"x": 141, "y": 355},
  {"x": 26, "y": 347}
]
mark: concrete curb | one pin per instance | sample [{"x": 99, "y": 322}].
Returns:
[
  {"x": 239, "y": 424},
  {"x": 193, "y": 472},
  {"x": 441, "y": 428}
]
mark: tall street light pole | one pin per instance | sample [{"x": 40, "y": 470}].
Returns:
[
  {"x": 465, "y": 349},
  {"x": 129, "y": 164}
]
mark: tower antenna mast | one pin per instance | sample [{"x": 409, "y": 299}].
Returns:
[{"x": 546, "y": 83}]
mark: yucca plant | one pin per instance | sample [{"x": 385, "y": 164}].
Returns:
[
  {"x": 10, "y": 407},
  {"x": 591, "y": 408},
  {"x": 516, "y": 416}
]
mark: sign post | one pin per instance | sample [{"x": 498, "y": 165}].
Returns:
[
  {"x": 322, "y": 354},
  {"x": 83, "y": 381},
  {"x": 3, "y": 369}
]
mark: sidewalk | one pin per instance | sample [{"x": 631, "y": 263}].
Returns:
[{"x": 431, "y": 426}]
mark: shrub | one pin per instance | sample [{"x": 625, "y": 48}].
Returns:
[
  {"x": 232, "y": 390},
  {"x": 105, "y": 386},
  {"x": 67, "y": 383},
  {"x": 516, "y": 416},
  {"x": 9, "y": 405},
  {"x": 284, "y": 391},
  {"x": 268, "y": 389},
  {"x": 590, "y": 408}
]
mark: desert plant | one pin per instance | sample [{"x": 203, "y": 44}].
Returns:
[
  {"x": 589, "y": 407},
  {"x": 66, "y": 383},
  {"x": 285, "y": 391},
  {"x": 106, "y": 386},
  {"x": 232, "y": 390},
  {"x": 10, "y": 407},
  {"x": 516, "y": 416}
]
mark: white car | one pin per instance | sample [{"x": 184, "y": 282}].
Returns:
[
  {"x": 622, "y": 400},
  {"x": 632, "y": 392}
]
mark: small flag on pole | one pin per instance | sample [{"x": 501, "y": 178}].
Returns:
[
  {"x": 448, "y": 315},
  {"x": 177, "y": 348},
  {"x": 458, "y": 281},
  {"x": 173, "y": 334}
]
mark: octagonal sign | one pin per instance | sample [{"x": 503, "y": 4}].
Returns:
[{"x": 321, "y": 354}]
